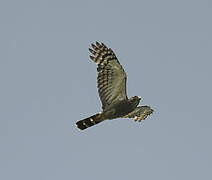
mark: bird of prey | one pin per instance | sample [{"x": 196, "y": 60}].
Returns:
[{"x": 111, "y": 82}]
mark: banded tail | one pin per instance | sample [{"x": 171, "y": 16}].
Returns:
[{"x": 90, "y": 121}]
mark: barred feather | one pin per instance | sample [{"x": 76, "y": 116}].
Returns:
[
  {"x": 90, "y": 121},
  {"x": 111, "y": 77}
]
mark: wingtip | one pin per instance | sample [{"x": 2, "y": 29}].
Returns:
[
  {"x": 150, "y": 110},
  {"x": 94, "y": 46},
  {"x": 98, "y": 44},
  {"x": 92, "y": 51},
  {"x": 92, "y": 57},
  {"x": 104, "y": 45}
]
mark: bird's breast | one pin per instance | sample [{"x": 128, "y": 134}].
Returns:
[{"x": 120, "y": 109}]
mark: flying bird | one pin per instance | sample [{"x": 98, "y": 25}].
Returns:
[{"x": 111, "y": 83}]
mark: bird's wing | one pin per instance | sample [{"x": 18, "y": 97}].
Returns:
[
  {"x": 111, "y": 80},
  {"x": 140, "y": 113}
]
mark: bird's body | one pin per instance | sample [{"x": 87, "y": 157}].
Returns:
[
  {"x": 111, "y": 82},
  {"x": 121, "y": 108}
]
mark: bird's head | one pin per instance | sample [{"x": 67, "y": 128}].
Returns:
[{"x": 135, "y": 100}]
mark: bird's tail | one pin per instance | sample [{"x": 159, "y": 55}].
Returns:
[{"x": 90, "y": 121}]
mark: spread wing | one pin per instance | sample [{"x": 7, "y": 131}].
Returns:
[
  {"x": 140, "y": 113},
  {"x": 111, "y": 80}
]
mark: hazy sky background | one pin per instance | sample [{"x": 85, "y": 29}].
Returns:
[{"x": 48, "y": 83}]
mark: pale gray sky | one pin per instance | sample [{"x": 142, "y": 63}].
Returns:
[{"x": 48, "y": 83}]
